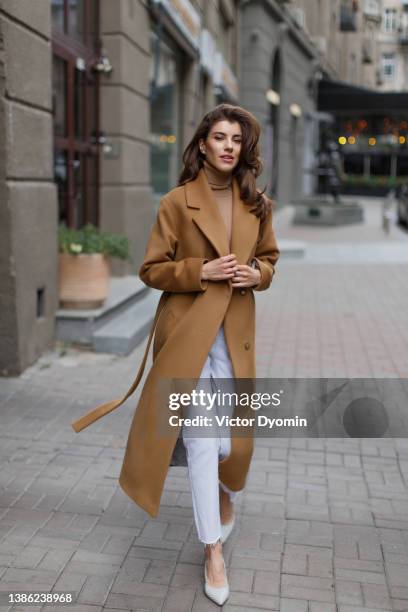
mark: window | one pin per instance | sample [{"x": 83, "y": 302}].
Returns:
[
  {"x": 75, "y": 105},
  {"x": 388, "y": 66},
  {"x": 165, "y": 117},
  {"x": 390, "y": 20},
  {"x": 77, "y": 19},
  {"x": 380, "y": 165},
  {"x": 371, "y": 7},
  {"x": 354, "y": 163},
  {"x": 225, "y": 39}
]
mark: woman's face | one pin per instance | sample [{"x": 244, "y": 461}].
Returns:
[{"x": 222, "y": 147}]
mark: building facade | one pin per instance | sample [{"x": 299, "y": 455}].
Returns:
[
  {"x": 97, "y": 101},
  {"x": 280, "y": 70},
  {"x": 393, "y": 42},
  {"x": 347, "y": 34}
]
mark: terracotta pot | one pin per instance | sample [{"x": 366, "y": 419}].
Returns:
[{"x": 83, "y": 280}]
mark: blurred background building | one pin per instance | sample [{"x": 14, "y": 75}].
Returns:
[{"x": 98, "y": 99}]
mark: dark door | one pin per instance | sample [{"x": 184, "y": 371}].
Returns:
[{"x": 76, "y": 47}]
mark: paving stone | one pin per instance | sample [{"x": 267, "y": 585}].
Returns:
[
  {"x": 133, "y": 602},
  {"x": 362, "y": 609},
  {"x": 358, "y": 564},
  {"x": 397, "y": 574},
  {"x": 294, "y": 605},
  {"x": 179, "y": 599},
  {"x": 376, "y": 596},
  {"x": 317, "y": 606},
  {"x": 309, "y": 504},
  {"x": 353, "y": 575},
  {"x": 254, "y": 600},
  {"x": 241, "y": 579},
  {"x": 95, "y": 590},
  {"x": 256, "y": 562},
  {"x": 293, "y": 563},
  {"x": 160, "y": 571},
  {"x": 399, "y": 604},
  {"x": 266, "y": 582},
  {"x": 307, "y": 587}
]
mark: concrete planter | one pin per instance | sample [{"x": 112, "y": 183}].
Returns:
[
  {"x": 83, "y": 280},
  {"x": 314, "y": 211}
]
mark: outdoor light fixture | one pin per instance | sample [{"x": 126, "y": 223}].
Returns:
[
  {"x": 295, "y": 110},
  {"x": 102, "y": 64},
  {"x": 273, "y": 97}
]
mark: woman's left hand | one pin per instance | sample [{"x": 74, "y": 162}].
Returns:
[{"x": 246, "y": 276}]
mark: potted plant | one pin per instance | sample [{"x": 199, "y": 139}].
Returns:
[{"x": 83, "y": 264}]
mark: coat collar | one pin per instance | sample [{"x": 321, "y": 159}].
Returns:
[{"x": 206, "y": 214}]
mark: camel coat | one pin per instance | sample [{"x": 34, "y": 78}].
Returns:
[{"x": 189, "y": 231}]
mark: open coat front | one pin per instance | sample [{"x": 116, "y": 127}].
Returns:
[{"x": 188, "y": 231}]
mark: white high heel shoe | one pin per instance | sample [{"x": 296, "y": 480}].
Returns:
[
  {"x": 218, "y": 595},
  {"x": 226, "y": 530}
]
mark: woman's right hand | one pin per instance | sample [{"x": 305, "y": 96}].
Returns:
[{"x": 221, "y": 268}]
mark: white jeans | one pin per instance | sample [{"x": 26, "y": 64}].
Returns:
[{"x": 203, "y": 453}]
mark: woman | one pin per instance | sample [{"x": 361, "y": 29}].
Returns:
[{"x": 212, "y": 244}]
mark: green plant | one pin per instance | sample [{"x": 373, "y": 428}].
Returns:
[{"x": 90, "y": 239}]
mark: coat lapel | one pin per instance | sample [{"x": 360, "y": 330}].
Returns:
[{"x": 206, "y": 215}]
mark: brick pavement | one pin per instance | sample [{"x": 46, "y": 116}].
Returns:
[{"x": 322, "y": 524}]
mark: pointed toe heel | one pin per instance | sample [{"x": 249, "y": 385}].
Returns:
[{"x": 218, "y": 595}]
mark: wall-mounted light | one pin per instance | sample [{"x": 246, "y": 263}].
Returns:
[
  {"x": 273, "y": 97},
  {"x": 295, "y": 110},
  {"x": 102, "y": 64}
]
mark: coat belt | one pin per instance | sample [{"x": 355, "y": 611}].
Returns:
[{"x": 103, "y": 409}]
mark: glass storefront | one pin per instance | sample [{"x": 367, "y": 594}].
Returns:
[
  {"x": 374, "y": 149},
  {"x": 165, "y": 120}
]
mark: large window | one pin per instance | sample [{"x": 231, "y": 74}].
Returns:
[
  {"x": 388, "y": 66},
  {"x": 354, "y": 163},
  {"x": 75, "y": 86},
  {"x": 77, "y": 19},
  {"x": 165, "y": 78},
  {"x": 402, "y": 165},
  {"x": 380, "y": 165},
  {"x": 390, "y": 20}
]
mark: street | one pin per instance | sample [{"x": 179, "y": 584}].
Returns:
[{"x": 322, "y": 524}]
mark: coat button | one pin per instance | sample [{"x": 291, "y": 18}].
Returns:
[
  {"x": 242, "y": 291},
  {"x": 247, "y": 345}
]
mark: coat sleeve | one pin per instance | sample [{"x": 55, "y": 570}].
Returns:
[
  {"x": 159, "y": 268},
  {"x": 267, "y": 253}
]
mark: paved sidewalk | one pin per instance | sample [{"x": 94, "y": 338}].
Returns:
[{"x": 322, "y": 524}]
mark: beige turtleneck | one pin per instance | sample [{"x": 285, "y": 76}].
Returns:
[{"x": 220, "y": 184}]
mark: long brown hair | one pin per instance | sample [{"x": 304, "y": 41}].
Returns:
[{"x": 249, "y": 166}]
